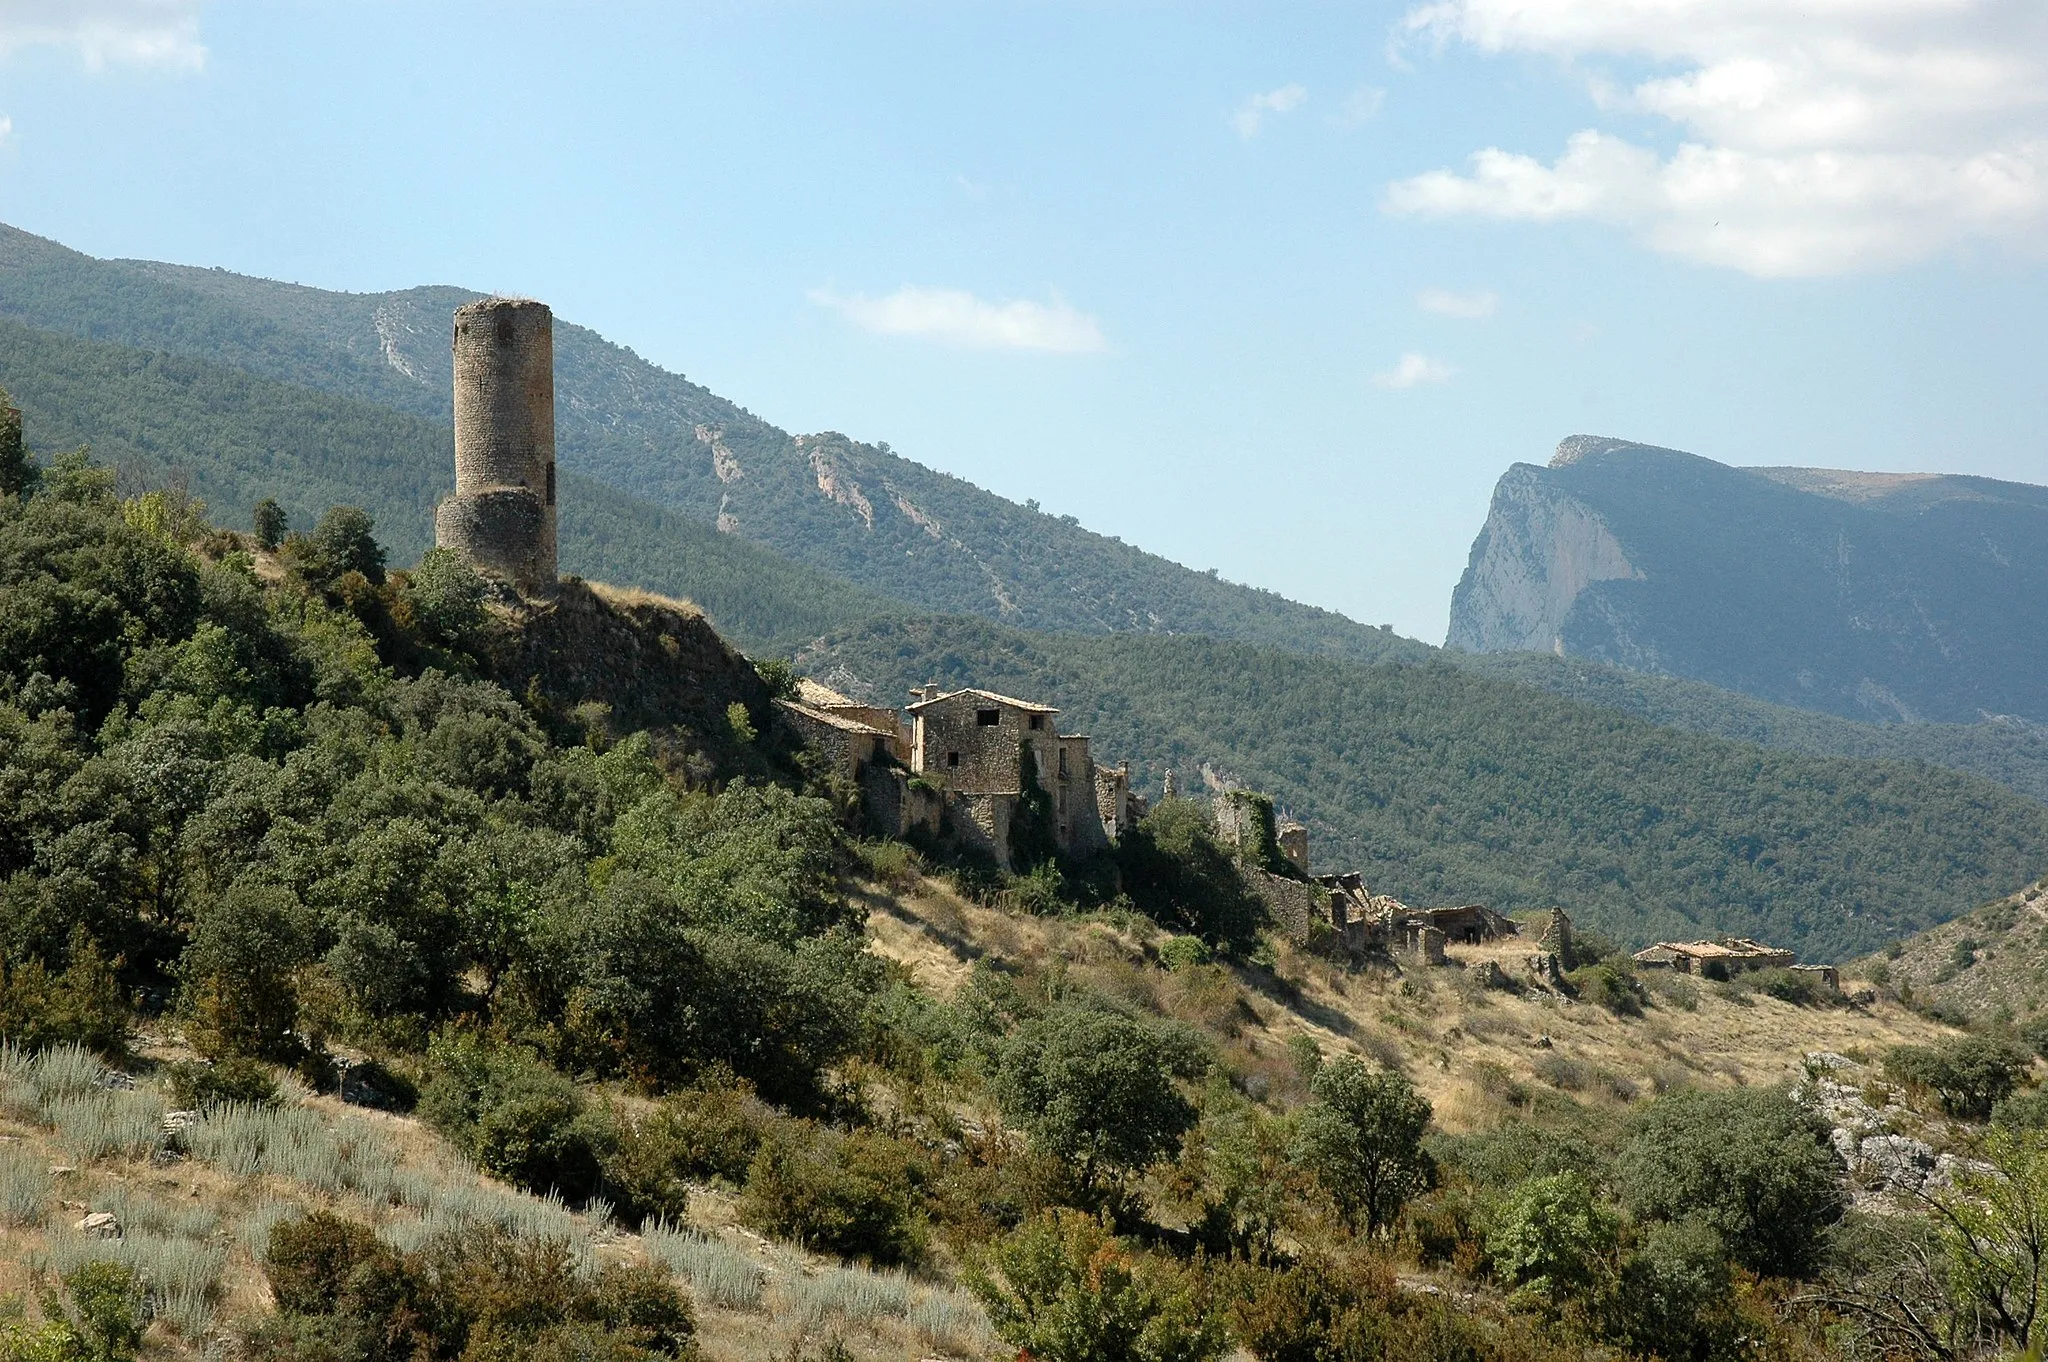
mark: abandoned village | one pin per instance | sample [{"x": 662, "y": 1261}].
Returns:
[{"x": 973, "y": 767}]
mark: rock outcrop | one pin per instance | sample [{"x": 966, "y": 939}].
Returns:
[{"x": 1879, "y": 596}]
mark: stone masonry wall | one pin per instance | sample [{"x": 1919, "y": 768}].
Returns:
[{"x": 502, "y": 515}]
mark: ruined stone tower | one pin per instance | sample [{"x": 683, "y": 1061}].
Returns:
[{"x": 502, "y": 515}]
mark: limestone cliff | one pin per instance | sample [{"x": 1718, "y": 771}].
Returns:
[{"x": 1875, "y": 595}]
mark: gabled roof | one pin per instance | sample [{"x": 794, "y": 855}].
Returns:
[
  {"x": 1010, "y": 700},
  {"x": 818, "y": 696},
  {"x": 831, "y": 720}
]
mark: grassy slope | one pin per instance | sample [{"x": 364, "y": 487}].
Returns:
[
  {"x": 234, "y": 438},
  {"x": 1448, "y": 786},
  {"x": 1990, "y": 962},
  {"x": 1473, "y": 1051},
  {"x": 1481, "y": 1056}
]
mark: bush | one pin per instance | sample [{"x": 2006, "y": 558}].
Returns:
[
  {"x": 83, "y": 1004},
  {"x": 695, "y": 1135},
  {"x": 230, "y": 1080},
  {"x": 1096, "y": 1090},
  {"x": 479, "y": 1294},
  {"x": 518, "y": 1118},
  {"x": 852, "y": 1195},
  {"x": 1610, "y": 986},
  {"x": 1180, "y": 876},
  {"x": 2023, "y": 1111},
  {"x": 1062, "y": 1289},
  {"x": 1360, "y": 1137},
  {"x": 1319, "y": 1308},
  {"x": 1968, "y": 1075},
  {"x": 1798, "y": 987},
  {"x": 1552, "y": 1240},
  {"x": 1753, "y": 1165},
  {"x": 1183, "y": 952}
]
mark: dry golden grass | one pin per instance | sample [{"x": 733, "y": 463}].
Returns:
[
  {"x": 1474, "y": 1052},
  {"x": 633, "y": 597}
]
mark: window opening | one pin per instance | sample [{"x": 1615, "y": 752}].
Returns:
[{"x": 988, "y": 718}]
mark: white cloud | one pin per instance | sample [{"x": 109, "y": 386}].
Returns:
[
  {"x": 957, "y": 317},
  {"x": 1361, "y": 106},
  {"x": 1468, "y": 306},
  {"x": 1413, "y": 371},
  {"x": 1251, "y": 115},
  {"x": 6, "y": 128},
  {"x": 1817, "y": 138},
  {"x": 108, "y": 32}
]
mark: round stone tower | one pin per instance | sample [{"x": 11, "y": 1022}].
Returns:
[{"x": 502, "y": 515}]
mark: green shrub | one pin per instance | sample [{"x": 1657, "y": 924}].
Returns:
[
  {"x": 1360, "y": 1137},
  {"x": 1063, "y": 1289},
  {"x": 107, "y": 1303},
  {"x": 1552, "y": 1240},
  {"x": 1180, "y": 876},
  {"x": 1801, "y": 988},
  {"x": 1610, "y": 986},
  {"x": 481, "y": 1294},
  {"x": 1319, "y": 1308},
  {"x": 1753, "y": 1165},
  {"x": 237, "y": 1079},
  {"x": 1095, "y": 1089},
  {"x": 694, "y": 1135},
  {"x": 1969, "y": 1075},
  {"x": 82, "y": 1004},
  {"x": 1184, "y": 952},
  {"x": 518, "y": 1118},
  {"x": 853, "y": 1195}
]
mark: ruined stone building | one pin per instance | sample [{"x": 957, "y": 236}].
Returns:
[
  {"x": 1715, "y": 959},
  {"x": 501, "y": 516},
  {"x": 985, "y": 749},
  {"x": 960, "y": 760}
]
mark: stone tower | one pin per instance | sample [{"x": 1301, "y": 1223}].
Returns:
[{"x": 502, "y": 515}]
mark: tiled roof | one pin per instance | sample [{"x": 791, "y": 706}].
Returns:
[{"x": 1009, "y": 700}]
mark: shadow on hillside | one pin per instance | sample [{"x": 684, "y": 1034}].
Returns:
[
  {"x": 958, "y": 943},
  {"x": 1274, "y": 989}
]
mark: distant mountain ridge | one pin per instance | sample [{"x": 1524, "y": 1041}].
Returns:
[
  {"x": 1876, "y": 596},
  {"x": 855, "y": 510}
]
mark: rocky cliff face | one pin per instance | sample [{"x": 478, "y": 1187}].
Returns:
[{"x": 1873, "y": 595}]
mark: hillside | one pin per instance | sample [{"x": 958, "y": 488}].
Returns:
[
  {"x": 853, "y": 510},
  {"x": 232, "y": 438},
  {"x": 390, "y": 968},
  {"x": 2013, "y": 753},
  {"x": 1988, "y": 964},
  {"x": 1444, "y": 785},
  {"x": 1873, "y": 596}
]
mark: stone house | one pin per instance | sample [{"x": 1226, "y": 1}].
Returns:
[
  {"x": 979, "y": 747},
  {"x": 1714, "y": 959},
  {"x": 812, "y": 695}
]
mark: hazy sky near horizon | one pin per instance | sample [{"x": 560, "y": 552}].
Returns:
[{"x": 1278, "y": 289}]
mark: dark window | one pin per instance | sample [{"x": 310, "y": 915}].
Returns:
[
  {"x": 989, "y": 718},
  {"x": 551, "y": 482},
  {"x": 1063, "y": 763},
  {"x": 1038, "y": 721},
  {"x": 952, "y": 759}
]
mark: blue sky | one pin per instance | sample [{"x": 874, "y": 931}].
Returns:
[{"x": 1274, "y": 289}]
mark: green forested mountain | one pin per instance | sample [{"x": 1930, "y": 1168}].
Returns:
[
  {"x": 235, "y": 438},
  {"x": 1444, "y": 785},
  {"x": 828, "y": 502},
  {"x": 1883, "y": 596},
  {"x": 2012, "y": 752}
]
